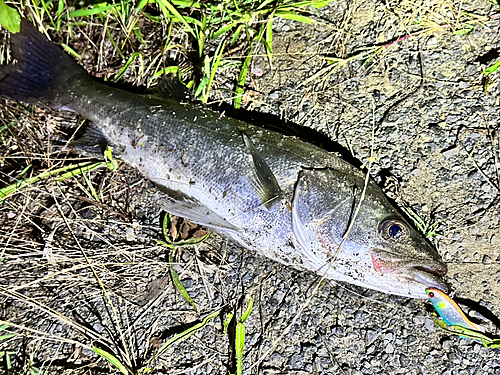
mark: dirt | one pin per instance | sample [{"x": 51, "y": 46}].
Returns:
[{"x": 438, "y": 154}]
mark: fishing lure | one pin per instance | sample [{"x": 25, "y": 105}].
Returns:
[
  {"x": 451, "y": 313},
  {"x": 456, "y": 322}
]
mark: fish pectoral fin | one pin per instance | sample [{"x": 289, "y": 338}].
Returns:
[
  {"x": 92, "y": 142},
  {"x": 263, "y": 181},
  {"x": 196, "y": 212}
]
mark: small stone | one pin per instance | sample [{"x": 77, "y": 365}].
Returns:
[
  {"x": 432, "y": 42},
  {"x": 450, "y": 152},
  {"x": 130, "y": 234},
  {"x": 389, "y": 349},
  {"x": 486, "y": 259},
  {"x": 371, "y": 336},
  {"x": 429, "y": 324},
  {"x": 486, "y": 187}
]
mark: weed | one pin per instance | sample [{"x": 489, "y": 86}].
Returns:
[
  {"x": 63, "y": 173},
  {"x": 484, "y": 339},
  {"x": 173, "y": 244},
  {"x": 487, "y": 81},
  {"x": 9, "y": 18},
  {"x": 427, "y": 227},
  {"x": 239, "y": 343}
]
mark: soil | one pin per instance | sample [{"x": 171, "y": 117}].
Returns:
[{"x": 438, "y": 155}]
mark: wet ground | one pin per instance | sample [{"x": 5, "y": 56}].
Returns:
[{"x": 437, "y": 146}]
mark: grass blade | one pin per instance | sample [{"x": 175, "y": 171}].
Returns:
[
  {"x": 213, "y": 69},
  {"x": 166, "y": 5},
  {"x": 238, "y": 347},
  {"x": 177, "y": 282},
  {"x": 487, "y": 342},
  {"x": 16, "y": 186},
  {"x": 244, "y": 69},
  {"x": 9, "y": 18},
  {"x": 236, "y": 34},
  {"x": 90, "y": 12},
  {"x": 321, "y": 3},
  {"x": 269, "y": 40},
  {"x": 127, "y": 65},
  {"x": 188, "y": 332},
  {"x": 141, "y": 6},
  {"x": 294, "y": 17},
  {"x": 70, "y": 171},
  {"x": 247, "y": 312},
  {"x": 111, "y": 359},
  {"x": 71, "y": 51},
  {"x": 222, "y": 30},
  {"x": 227, "y": 321},
  {"x": 492, "y": 69}
]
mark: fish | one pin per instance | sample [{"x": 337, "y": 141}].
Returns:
[
  {"x": 271, "y": 193},
  {"x": 450, "y": 312}
]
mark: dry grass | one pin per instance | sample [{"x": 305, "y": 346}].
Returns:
[{"x": 79, "y": 272}]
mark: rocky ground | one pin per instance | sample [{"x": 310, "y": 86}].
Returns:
[{"x": 437, "y": 146}]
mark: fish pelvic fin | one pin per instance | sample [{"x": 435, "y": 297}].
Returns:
[{"x": 41, "y": 72}]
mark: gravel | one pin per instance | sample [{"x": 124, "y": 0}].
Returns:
[{"x": 437, "y": 146}]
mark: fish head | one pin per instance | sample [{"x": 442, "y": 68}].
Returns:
[
  {"x": 402, "y": 255},
  {"x": 354, "y": 234}
]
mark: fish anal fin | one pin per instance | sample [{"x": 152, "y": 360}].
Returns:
[
  {"x": 263, "y": 180},
  {"x": 192, "y": 210}
]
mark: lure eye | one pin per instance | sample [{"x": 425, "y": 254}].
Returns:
[
  {"x": 431, "y": 295},
  {"x": 393, "y": 229}
]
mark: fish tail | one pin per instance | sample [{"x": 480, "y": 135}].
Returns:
[{"x": 43, "y": 70}]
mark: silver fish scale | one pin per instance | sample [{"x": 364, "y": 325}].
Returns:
[
  {"x": 200, "y": 158},
  {"x": 200, "y": 155},
  {"x": 288, "y": 200}
]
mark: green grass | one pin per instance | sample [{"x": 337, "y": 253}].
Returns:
[
  {"x": 61, "y": 174},
  {"x": 215, "y": 28},
  {"x": 427, "y": 227},
  {"x": 173, "y": 244}
]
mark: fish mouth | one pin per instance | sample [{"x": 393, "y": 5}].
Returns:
[
  {"x": 426, "y": 272},
  {"x": 429, "y": 277}
]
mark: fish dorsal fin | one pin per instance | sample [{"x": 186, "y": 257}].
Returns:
[
  {"x": 171, "y": 89},
  {"x": 263, "y": 181},
  {"x": 192, "y": 210}
]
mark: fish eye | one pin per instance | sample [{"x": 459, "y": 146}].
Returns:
[{"x": 393, "y": 229}]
